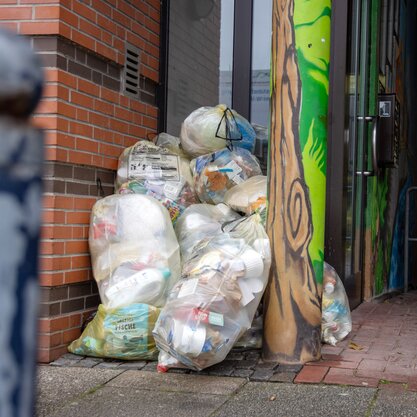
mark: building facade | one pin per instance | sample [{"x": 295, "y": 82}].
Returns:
[{"x": 118, "y": 71}]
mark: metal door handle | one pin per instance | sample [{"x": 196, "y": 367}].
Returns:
[{"x": 373, "y": 119}]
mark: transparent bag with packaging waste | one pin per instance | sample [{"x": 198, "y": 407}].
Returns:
[
  {"x": 336, "y": 318},
  {"x": 208, "y": 129},
  {"x": 216, "y": 299},
  {"x": 216, "y": 173},
  {"x": 134, "y": 251},
  {"x": 201, "y": 221},
  {"x": 249, "y": 196},
  {"x": 148, "y": 169},
  {"x": 121, "y": 333}
]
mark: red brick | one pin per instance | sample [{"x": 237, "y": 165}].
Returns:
[
  {"x": 311, "y": 374},
  {"x": 50, "y": 279},
  {"x": 39, "y": 28},
  {"x": 54, "y": 264},
  {"x": 47, "y": 12},
  {"x": 386, "y": 376},
  {"x": 88, "y": 87},
  {"x": 76, "y": 246},
  {"x": 57, "y": 352},
  {"x": 15, "y": 13},
  {"x": 76, "y": 276},
  {"x": 69, "y": 335},
  {"x": 74, "y": 320},
  {"x": 78, "y": 217},
  {"x": 52, "y": 248},
  {"x": 372, "y": 364},
  {"x": 49, "y": 340}
]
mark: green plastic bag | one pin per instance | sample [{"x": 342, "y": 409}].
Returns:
[{"x": 121, "y": 333}]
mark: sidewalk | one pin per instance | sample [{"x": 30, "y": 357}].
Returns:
[
  {"x": 380, "y": 356},
  {"x": 97, "y": 392}
]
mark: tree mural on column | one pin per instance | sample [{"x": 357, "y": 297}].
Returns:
[{"x": 292, "y": 306}]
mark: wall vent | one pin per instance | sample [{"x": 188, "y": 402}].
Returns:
[{"x": 131, "y": 71}]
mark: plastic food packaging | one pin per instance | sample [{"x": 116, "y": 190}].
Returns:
[
  {"x": 336, "y": 319},
  {"x": 199, "y": 222},
  {"x": 208, "y": 129},
  {"x": 214, "y": 303},
  {"x": 134, "y": 250},
  {"x": 249, "y": 196},
  {"x": 122, "y": 333},
  {"x": 148, "y": 169},
  {"x": 216, "y": 173}
]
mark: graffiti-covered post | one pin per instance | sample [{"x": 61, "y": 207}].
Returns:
[
  {"x": 297, "y": 163},
  {"x": 21, "y": 154}
]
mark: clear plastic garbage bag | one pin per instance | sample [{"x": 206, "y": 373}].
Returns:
[
  {"x": 216, "y": 173},
  {"x": 249, "y": 196},
  {"x": 134, "y": 251},
  {"x": 121, "y": 333},
  {"x": 172, "y": 143},
  {"x": 208, "y": 129},
  {"x": 199, "y": 222},
  {"x": 336, "y": 321},
  {"x": 148, "y": 169},
  {"x": 215, "y": 301}
]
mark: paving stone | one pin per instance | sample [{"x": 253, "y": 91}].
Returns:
[
  {"x": 133, "y": 365},
  {"x": 235, "y": 356},
  {"x": 246, "y": 364},
  {"x": 346, "y": 377},
  {"x": 252, "y": 355},
  {"x": 177, "y": 382},
  {"x": 89, "y": 362},
  {"x": 58, "y": 385},
  {"x": 262, "y": 375},
  {"x": 64, "y": 362},
  {"x": 311, "y": 374},
  {"x": 243, "y": 373},
  {"x": 108, "y": 365},
  {"x": 128, "y": 402},
  {"x": 266, "y": 365},
  {"x": 150, "y": 366},
  {"x": 254, "y": 400},
  {"x": 288, "y": 368},
  {"x": 72, "y": 357},
  {"x": 283, "y": 377}
]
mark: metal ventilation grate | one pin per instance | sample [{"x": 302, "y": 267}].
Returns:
[{"x": 131, "y": 72}]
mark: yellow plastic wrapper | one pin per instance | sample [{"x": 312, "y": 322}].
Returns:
[{"x": 120, "y": 333}]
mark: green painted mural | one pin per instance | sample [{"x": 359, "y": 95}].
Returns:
[
  {"x": 297, "y": 167},
  {"x": 312, "y": 39}
]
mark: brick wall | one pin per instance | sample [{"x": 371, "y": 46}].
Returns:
[{"x": 88, "y": 122}]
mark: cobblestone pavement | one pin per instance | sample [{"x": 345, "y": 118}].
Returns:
[{"x": 381, "y": 348}]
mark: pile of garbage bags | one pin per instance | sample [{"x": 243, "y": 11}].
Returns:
[{"x": 180, "y": 253}]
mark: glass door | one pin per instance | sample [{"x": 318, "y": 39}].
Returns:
[{"x": 360, "y": 128}]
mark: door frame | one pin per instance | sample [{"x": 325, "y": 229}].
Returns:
[{"x": 338, "y": 152}]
